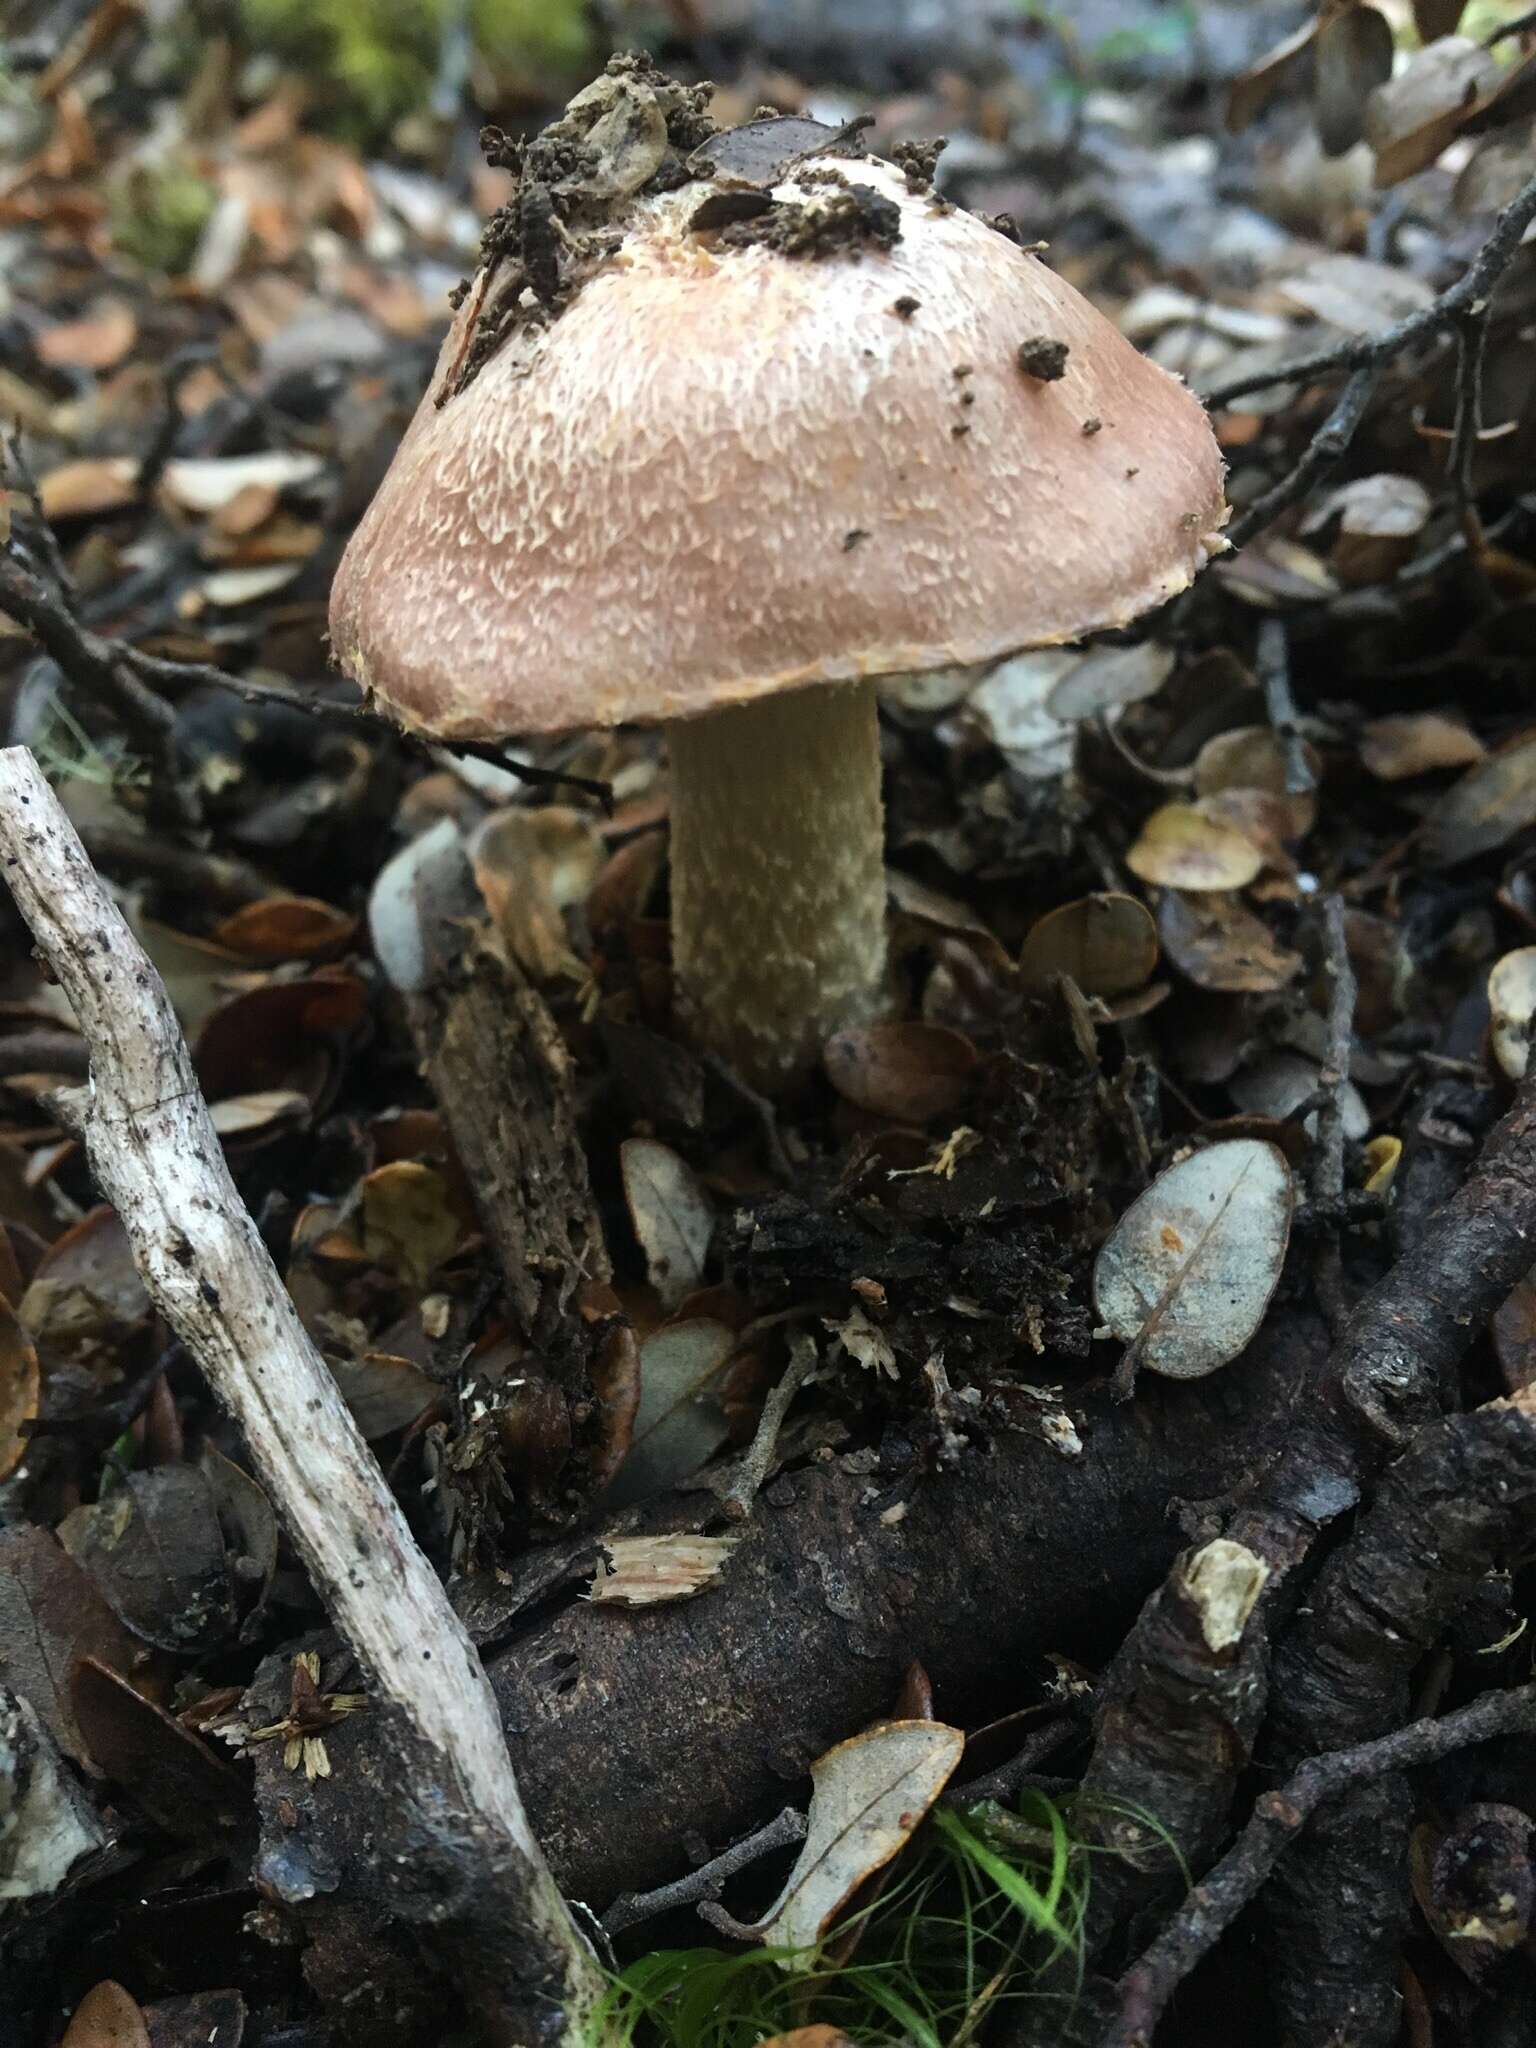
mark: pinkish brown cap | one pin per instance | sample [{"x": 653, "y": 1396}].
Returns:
[{"x": 723, "y": 471}]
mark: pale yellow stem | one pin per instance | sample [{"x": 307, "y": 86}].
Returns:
[{"x": 778, "y": 878}]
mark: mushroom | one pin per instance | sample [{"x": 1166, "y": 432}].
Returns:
[{"x": 774, "y": 433}]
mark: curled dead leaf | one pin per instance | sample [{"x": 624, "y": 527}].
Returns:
[
  {"x": 869, "y": 1795},
  {"x": 285, "y": 928},
  {"x": 1219, "y": 944},
  {"x": 1183, "y": 846},
  {"x": 1107, "y": 943},
  {"x": 1416, "y": 743},
  {"x": 1484, "y": 810},
  {"x": 909, "y": 1072},
  {"x": 673, "y": 1217},
  {"x": 531, "y": 867}
]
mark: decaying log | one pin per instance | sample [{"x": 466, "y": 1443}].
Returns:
[
  {"x": 155, "y": 1155},
  {"x": 632, "y": 1729}
]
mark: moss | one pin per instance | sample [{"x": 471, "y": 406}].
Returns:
[
  {"x": 376, "y": 60},
  {"x": 158, "y": 211}
]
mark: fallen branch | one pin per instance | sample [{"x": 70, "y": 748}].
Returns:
[
  {"x": 707, "y": 1882},
  {"x": 98, "y": 667},
  {"x": 156, "y": 1157},
  {"x": 1277, "y": 1818}
]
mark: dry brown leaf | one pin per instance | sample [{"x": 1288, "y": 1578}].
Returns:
[
  {"x": 531, "y": 867},
  {"x": 1107, "y": 944},
  {"x": 384, "y": 1393},
  {"x": 1411, "y": 118},
  {"x": 1254, "y": 757},
  {"x": 1219, "y": 944},
  {"x": 1183, "y": 846},
  {"x": 1417, "y": 743},
  {"x": 211, "y": 483},
  {"x": 1282, "y": 69},
  {"x": 1356, "y": 295},
  {"x": 411, "y": 1222},
  {"x": 20, "y": 1390},
  {"x": 106, "y": 2018},
  {"x": 1380, "y": 518},
  {"x": 680, "y": 1421},
  {"x": 1484, "y": 810},
  {"x": 1351, "y": 57},
  {"x": 91, "y": 485},
  {"x": 909, "y": 1072},
  {"x": 263, "y": 1110},
  {"x": 97, "y": 341},
  {"x": 1514, "y": 1335},
  {"x": 285, "y": 928},
  {"x": 811, "y": 2037}
]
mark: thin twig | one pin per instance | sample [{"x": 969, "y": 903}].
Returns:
[
  {"x": 1371, "y": 351},
  {"x": 1273, "y": 661},
  {"x": 1003, "y": 1784},
  {"x": 708, "y": 1881},
  {"x": 1328, "y": 1155},
  {"x": 1278, "y": 1816},
  {"x": 758, "y": 1456},
  {"x": 97, "y": 667},
  {"x": 155, "y": 1155},
  {"x": 1471, "y": 344},
  {"x": 1320, "y": 454}
]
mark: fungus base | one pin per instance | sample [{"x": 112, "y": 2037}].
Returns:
[{"x": 778, "y": 877}]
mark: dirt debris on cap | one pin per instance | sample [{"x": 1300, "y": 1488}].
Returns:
[
  {"x": 842, "y": 223},
  {"x": 1042, "y": 358},
  {"x": 917, "y": 161}
]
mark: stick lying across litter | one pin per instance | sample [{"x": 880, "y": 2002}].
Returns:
[{"x": 157, "y": 1159}]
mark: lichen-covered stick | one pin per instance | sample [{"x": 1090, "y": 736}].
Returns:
[{"x": 157, "y": 1159}]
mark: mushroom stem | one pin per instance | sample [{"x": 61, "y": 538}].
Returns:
[{"x": 778, "y": 878}]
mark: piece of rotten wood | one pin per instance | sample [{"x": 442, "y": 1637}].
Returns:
[
  {"x": 500, "y": 1073},
  {"x": 155, "y": 1156},
  {"x": 632, "y": 1730}
]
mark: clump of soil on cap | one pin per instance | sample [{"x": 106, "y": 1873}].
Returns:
[
  {"x": 629, "y": 134},
  {"x": 844, "y": 222},
  {"x": 917, "y": 161},
  {"x": 633, "y": 133},
  {"x": 1043, "y": 358}
]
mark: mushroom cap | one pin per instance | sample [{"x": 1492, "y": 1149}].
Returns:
[{"x": 723, "y": 471}]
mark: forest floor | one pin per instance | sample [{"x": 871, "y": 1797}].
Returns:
[{"x": 1236, "y": 907}]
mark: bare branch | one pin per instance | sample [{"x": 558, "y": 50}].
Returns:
[
  {"x": 1277, "y": 1818},
  {"x": 156, "y": 1157}
]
